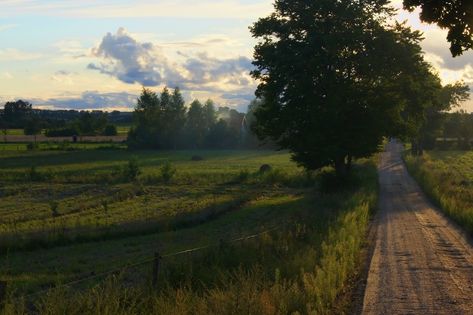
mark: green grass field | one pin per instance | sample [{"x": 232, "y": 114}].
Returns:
[
  {"x": 71, "y": 215},
  {"x": 123, "y": 130},
  {"x": 14, "y": 132},
  {"x": 447, "y": 177}
]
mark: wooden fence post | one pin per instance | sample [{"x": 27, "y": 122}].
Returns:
[
  {"x": 3, "y": 294},
  {"x": 156, "y": 262}
]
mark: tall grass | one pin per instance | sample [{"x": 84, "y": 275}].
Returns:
[
  {"x": 301, "y": 268},
  {"x": 447, "y": 179}
]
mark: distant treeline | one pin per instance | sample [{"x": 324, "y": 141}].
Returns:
[
  {"x": 60, "y": 123},
  {"x": 160, "y": 121},
  {"x": 449, "y": 131},
  {"x": 163, "y": 121}
]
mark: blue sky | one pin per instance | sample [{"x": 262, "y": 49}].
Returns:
[{"x": 93, "y": 54}]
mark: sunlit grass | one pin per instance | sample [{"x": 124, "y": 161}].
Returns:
[
  {"x": 302, "y": 266},
  {"x": 447, "y": 177}
]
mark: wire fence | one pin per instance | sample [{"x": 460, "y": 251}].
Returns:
[{"x": 153, "y": 259}]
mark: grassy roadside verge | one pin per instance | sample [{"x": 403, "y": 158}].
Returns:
[
  {"x": 446, "y": 178},
  {"x": 301, "y": 267}
]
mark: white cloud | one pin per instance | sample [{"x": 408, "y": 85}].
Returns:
[
  {"x": 90, "y": 100},
  {"x": 131, "y": 61},
  {"x": 11, "y": 54}
]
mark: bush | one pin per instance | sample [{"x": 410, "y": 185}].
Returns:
[
  {"x": 110, "y": 130},
  {"x": 167, "y": 172},
  {"x": 32, "y": 146},
  {"x": 34, "y": 175},
  {"x": 243, "y": 176},
  {"x": 54, "y": 206},
  {"x": 265, "y": 168},
  {"x": 132, "y": 169}
]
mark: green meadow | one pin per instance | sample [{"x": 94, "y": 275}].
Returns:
[
  {"x": 78, "y": 227},
  {"x": 447, "y": 177}
]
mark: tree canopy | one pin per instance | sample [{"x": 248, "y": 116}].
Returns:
[
  {"x": 336, "y": 78},
  {"x": 15, "y": 114},
  {"x": 162, "y": 121},
  {"x": 454, "y": 15}
]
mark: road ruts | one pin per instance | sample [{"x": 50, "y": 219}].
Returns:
[{"x": 422, "y": 263}]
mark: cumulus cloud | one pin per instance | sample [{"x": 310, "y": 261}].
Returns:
[
  {"x": 90, "y": 100},
  {"x": 121, "y": 56},
  {"x": 204, "y": 69},
  {"x": 132, "y": 62}
]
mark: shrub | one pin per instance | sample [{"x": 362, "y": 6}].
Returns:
[
  {"x": 132, "y": 169},
  {"x": 54, "y": 206},
  {"x": 167, "y": 172},
  {"x": 34, "y": 175},
  {"x": 105, "y": 206},
  {"x": 265, "y": 168},
  {"x": 110, "y": 130},
  {"x": 32, "y": 146},
  {"x": 243, "y": 176}
]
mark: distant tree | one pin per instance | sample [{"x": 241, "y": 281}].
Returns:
[
  {"x": 210, "y": 115},
  {"x": 3, "y": 127},
  {"x": 454, "y": 15},
  {"x": 159, "y": 120},
  {"x": 328, "y": 72},
  {"x": 162, "y": 121},
  {"x": 33, "y": 127},
  {"x": 147, "y": 114},
  {"x": 234, "y": 121},
  {"x": 249, "y": 124},
  {"x": 196, "y": 128},
  {"x": 16, "y": 113},
  {"x": 110, "y": 130},
  {"x": 174, "y": 119},
  {"x": 221, "y": 136},
  {"x": 99, "y": 122},
  {"x": 85, "y": 124},
  {"x": 443, "y": 99}
]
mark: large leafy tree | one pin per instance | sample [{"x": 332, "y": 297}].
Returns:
[
  {"x": 159, "y": 120},
  {"x": 331, "y": 75},
  {"x": 454, "y": 15}
]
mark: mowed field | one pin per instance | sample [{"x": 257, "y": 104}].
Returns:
[
  {"x": 77, "y": 221},
  {"x": 447, "y": 177}
]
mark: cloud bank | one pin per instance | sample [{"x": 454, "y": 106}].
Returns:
[
  {"x": 133, "y": 62},
  {"x": 90, "y": 100}
]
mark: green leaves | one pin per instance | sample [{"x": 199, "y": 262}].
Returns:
[
  {"x": 456, "y": 16},
  {"x": 335, "y": 79}
]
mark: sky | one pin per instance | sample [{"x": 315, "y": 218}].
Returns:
[{"x": 98, "y": 54}]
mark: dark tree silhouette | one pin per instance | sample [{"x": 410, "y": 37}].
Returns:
[
  {"x": 33, "y": 127},
  {"x": 454, "y": 15},
  {"x": 16, "y": 113},
  {"x": 332, "y": 78}
]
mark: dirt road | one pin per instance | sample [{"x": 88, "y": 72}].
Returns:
[{"x": 422, "y": 263}]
